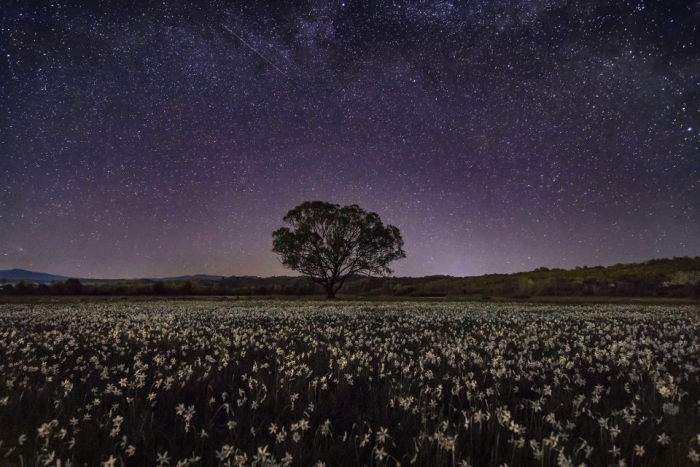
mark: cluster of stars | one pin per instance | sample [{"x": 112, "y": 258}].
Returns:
[{"x": 163, "y": 138}]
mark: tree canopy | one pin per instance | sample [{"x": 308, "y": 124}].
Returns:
[{"x": 330, "y": 243}]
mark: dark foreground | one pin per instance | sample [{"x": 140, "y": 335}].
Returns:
[{"x": 261, "y": 383}]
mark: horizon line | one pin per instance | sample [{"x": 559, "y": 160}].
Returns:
[{"x": 222, "y": 276}]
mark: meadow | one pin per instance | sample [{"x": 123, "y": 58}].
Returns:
[{"x": 277, "y": 383}]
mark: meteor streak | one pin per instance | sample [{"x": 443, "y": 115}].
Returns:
[{"x": 254, "y": 50}]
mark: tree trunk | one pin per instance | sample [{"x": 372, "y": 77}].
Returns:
[{"x": 330, "y": 293}]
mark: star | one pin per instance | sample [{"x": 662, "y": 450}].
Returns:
[{"x": 170, "y": 138}]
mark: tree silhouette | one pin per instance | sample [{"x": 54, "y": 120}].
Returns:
[
  {"x": 330, "y": 243},
  {"x": 73, "y": 287}
]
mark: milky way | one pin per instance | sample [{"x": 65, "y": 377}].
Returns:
[{"x": 153, "y": 139}]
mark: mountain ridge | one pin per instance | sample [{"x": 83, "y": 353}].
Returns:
[
  {"x": 18, "y": 274},
  {"x": 683, "y": 263},
  {"x": 668, "y": 278}
]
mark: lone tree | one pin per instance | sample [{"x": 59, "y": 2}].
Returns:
[{"x": 330, "y": 243}]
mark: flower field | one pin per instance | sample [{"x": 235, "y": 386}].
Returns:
[{"x": 264, "y": 383}]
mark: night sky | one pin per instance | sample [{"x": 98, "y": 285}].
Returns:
[{"x": 144, "y": 139}]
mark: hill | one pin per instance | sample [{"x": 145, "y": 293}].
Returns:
[
  {"x": 16, "y": 275},
  {"x": 203, "y": 277},
  {"x": 671, "y": 278}
]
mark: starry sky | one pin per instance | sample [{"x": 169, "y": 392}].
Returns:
[{"x": 148, "y": 139}]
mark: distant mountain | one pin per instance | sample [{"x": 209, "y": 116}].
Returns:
[
  {"x": 16, "y": 275},
  {"x": 201, "y": 277}
]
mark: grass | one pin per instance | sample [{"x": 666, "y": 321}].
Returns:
[
  {"x": 564, "y": 300},
  {"x": 273, "y": 382}
]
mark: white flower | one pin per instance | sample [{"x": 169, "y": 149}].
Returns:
[
  {"x": 163, "y": 459},
  {"x": 693, "y": 456},
  {"x": 379, "y": 453}
]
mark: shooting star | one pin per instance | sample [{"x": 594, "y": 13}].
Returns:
[{"x": 255, "y": 50}]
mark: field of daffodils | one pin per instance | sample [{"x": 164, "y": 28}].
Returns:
[{"x": 275, "y": 383}]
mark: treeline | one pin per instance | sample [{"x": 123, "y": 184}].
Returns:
[
  {"x": 67, "y": 287},
  {"x": 243, "y": 286},
  {"x": 672, "y": 278}
]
